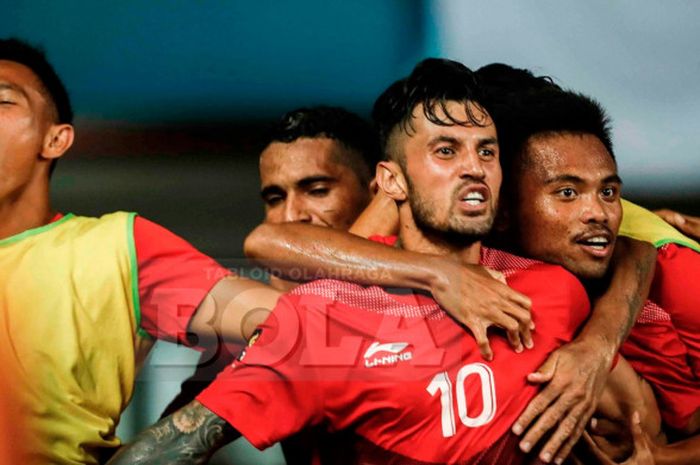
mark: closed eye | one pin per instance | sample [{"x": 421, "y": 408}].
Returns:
[{"x": 319, "y": 192}]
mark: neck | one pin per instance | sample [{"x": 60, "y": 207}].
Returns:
[
  {"x": 417, "y": 240},
  {"x": 26, "y": 210}
]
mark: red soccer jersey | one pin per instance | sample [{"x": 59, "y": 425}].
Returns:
[
  {"x": 675, "y": 288},
  {"x": 393, "y": 368},
  {"x": 656, "y": 352}
]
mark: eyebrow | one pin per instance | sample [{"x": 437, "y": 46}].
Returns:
[
  {"x": 455, "y": 141},
  {"x": 488, "y": 141},
  {"x": 309, "y": 180},
  {"x": 302, "y": 183},
  {"x": 612, "y": 179},
  {"x": 13, "y": 87},
  {"x": 440, "y": 139}
]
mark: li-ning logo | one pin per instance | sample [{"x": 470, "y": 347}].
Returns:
[{"x": 395, "y": 350}]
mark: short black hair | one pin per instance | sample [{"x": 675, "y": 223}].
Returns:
[
  {"x": 334, "y": 123},
  {"x": 34, "y": 58},
  {"x": 524, "y": 105},
  {"x": 433, "y": 83},
  {"x": 553, "y": 111}
]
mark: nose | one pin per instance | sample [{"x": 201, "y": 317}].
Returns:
[
  {"x": 594, "y": 210},
  {"x": 295, "y": 210},
  {"x": 471, "y": 166}
]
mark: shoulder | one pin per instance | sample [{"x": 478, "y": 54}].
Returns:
[{"x": 358, "y": 300}]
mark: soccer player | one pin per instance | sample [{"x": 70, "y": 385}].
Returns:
[
  {"x": 611, "y": 329},
  {"x": 564, "y": 207},
  {"x": 392, "y": 366},
  {"x": 83, "y": 299}
]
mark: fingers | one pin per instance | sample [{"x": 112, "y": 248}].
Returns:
[
  {"x": 536, "y": 406},
  {"x": 687, "y": 224},
  {"x": 546, "y": 422},
  {"x": 523, "y": 327},
  {"x": 641, "y": 446},
  {"x": 567, "y": 444},
  {"x": 482, "y": 340},
  {"x": 546, "y": 371},
  {"x": 497, "y": 275},
  {"x": 671, "y": 217},
  {"x": 593, "y": 448}
]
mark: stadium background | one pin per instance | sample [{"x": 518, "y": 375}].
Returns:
[{"x": 172, "y": 97}]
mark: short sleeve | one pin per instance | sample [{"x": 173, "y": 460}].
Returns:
[
  {"x": 173, "y": 279},
  {"x": 270, "y": 393}
]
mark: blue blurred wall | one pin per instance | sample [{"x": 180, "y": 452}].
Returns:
[{"x": 179, "y": 60}]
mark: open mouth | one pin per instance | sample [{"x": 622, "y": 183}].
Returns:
[
  {"x": 473, "y": 197},
  {"x": 597, "y": 244}
]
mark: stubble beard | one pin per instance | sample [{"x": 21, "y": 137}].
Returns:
[{"x": 456, "y": 229}]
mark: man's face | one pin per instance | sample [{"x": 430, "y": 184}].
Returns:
[
  {"x": 306, "y": 181},
  {"x": 25, "y": 117},
  {"x": 568, "y": 207},
  {"x": 453, "y": 173}
]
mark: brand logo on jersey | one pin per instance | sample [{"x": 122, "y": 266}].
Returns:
[{"x": 393, "y": 352}]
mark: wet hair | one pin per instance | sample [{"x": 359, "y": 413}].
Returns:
[
  {"x": 347, "y": 128},
  {"x": 433, "y": 83},
  {"x": 33, "y": 58}
]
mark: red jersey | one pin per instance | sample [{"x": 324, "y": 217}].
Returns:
[
  {"x": 392, "y": 367},
  {"x": 656, "y": 352},
  {"x": 675, "y": 288}
]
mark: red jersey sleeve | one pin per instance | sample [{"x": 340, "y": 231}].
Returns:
[
  {"x": 270, "y": 392},
  {"x": 173, "y": 278}
]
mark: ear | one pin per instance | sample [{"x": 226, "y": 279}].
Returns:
[
  {"x": 391, "y": 180},
  {"x": 57, "y": 141}
]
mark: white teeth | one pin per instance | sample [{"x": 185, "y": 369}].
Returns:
[
  {"x": 473, "y": 198},
  {"x": 598, "y": 242}
]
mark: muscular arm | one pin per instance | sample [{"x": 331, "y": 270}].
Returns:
[
  {"x": 470, "y": 294},
  {"x": 576, "y": 373},
  {"x": 189, "y": 436}
]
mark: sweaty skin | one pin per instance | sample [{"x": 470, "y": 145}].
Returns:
[
  {"x": 309, "y": 181},
  {"x": 463, "y": 162}
]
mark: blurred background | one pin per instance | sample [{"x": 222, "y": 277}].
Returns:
[{"x": 172, "y": 98}]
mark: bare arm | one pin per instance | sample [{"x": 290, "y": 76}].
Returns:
[
  {"x": 232, "y": 310},
  {"x": 470, "y": 294},
  {"x": 576, "y": 373},
  {"x": 189, "y": 436}
]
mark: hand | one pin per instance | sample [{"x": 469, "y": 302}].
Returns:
[
  {"x": 576, "y": 375},
  {"x": 687, "y": 224},
  {"x": 643, "y": 446},
  {"x": 474, "y": 296}
]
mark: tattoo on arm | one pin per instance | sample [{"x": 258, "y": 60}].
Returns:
[{"x": 190, "y": 435}]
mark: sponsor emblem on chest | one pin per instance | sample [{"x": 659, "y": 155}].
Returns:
[{"x": 386, "y": 354}]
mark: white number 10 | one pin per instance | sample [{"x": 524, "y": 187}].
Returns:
[{"x": 441, "y": 382}]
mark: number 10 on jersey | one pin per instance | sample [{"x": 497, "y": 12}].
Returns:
[{"x": 441, "y": 383}]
